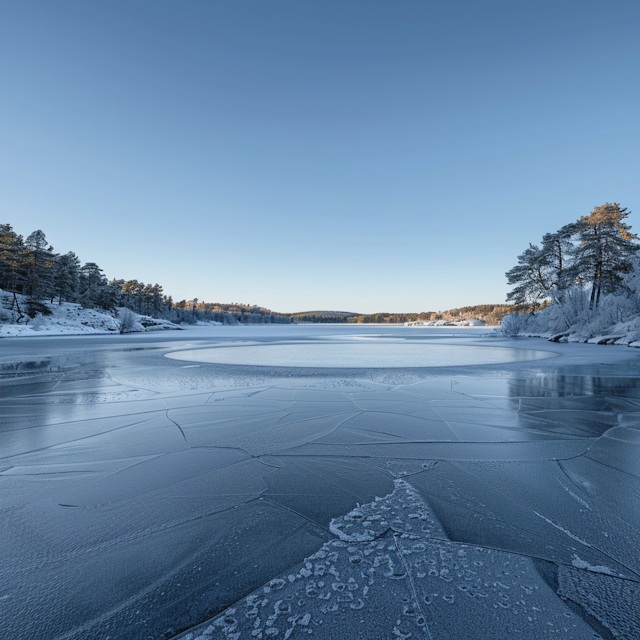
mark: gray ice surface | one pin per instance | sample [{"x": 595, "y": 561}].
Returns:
[
  {"x": 350, "y": 355},
  {"x": 151, "y": 497}
]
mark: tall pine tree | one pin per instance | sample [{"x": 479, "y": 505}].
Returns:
[
  {"x": 606, "y": 250},
  {"x": 12, "y": 260},
  {"x": 40, "y": 261},
  {"x": 92, "y": 281},
  {"x": 66, "y": 277}
]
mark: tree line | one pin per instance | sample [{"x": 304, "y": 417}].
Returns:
[
  {"x": 322, "y": 317},
  {"x": 37, "y": 276},
  {"x": 593, "y": 254},
  {"x": 490, "y": 313}
]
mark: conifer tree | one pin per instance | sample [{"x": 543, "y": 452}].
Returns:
[
  {"x": 66, "y": 277},
  {"x": 92, "y": 281},
  {"x": 40, "y": 261},
  {"x": 12, "y": 260},
  {"x": 556, "y": 258},
  {"x": 606, "y": 250},
  {"x": 529, "y": 277}
]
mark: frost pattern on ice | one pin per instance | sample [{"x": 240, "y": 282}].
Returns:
[
  {"x": 565, "y": 531},
  {"x": 393, "y": 574},
  {"x": 371, "y": 521},
  {"x": 613, "y": 601}
]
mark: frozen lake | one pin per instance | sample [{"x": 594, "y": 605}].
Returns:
[
  {"x": 381, "y": 354},
  {"x": 318, "y": 481}
]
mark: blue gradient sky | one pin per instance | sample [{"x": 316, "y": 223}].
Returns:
[{"x": 363, "y": 156}]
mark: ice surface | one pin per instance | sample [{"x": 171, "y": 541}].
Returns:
[
  {"x": 357, "y": 355},
  {"x": 392, "y": 573},
  {"x": 614, "y": 603},
  {"x": 143, "y": 499}
]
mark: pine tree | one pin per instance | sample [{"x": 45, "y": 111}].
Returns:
[
  {"x": 529, "y": 277},
  {"x": 66, "y": 277},
  {"x": 132, "y": 295},
  {"x": 92, "y": 281},
  {"x": 40, "y": 262},
  {"x": 557, "y": 259},
  {"x": 12, "y": 260},
  {"x": 606, "y": 250}
]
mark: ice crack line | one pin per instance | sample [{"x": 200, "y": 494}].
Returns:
[
  {"x": 177, "y": 425},
  {"x": 413, "y": 588}
]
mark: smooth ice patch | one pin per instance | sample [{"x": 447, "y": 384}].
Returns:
[{"x": 359, "y": 355}]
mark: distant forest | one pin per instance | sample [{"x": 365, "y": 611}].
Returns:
[
  {"x": 316, "y": 317},
  {"x": 35, "y": 274},
  {"x": 490, "y": 313}
]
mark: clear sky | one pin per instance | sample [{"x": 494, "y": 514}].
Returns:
[{"x": 362, "y": 156}]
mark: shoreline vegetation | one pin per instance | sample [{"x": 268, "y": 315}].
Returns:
[
  {"x": 36, "y": 282},
  {"x": 42, "y": 291},
  {"x": 490, "y": 314},
  {"x": 582, "y": 282}
]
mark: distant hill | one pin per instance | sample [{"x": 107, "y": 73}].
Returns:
[
  {"x": 325, "y": 313},
  {"x": 492, "y": 314}
]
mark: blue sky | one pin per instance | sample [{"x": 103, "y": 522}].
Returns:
[{"x": 366, "y": 156}]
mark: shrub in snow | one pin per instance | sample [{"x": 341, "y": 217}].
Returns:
[
  {"x": 514, "y": 324},
  {"x": 35, "y": 307},
  {"x": 126, "y": 320},
  {"x": 617, "y": 315},
  {"x": 37, "y": 323}
]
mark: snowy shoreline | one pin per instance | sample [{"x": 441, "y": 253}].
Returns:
[
  {"x": 613, "y": 338},
  {"x": 588, "y": 330},
  {"x": 69, "y": 319}
]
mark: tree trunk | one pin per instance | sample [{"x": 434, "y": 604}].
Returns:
[
  {"x": 593, "y": 292},
  {"x": 20, "y": 314}
]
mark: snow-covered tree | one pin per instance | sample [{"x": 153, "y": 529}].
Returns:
[
  {"x": 556, "y": 259},
  {"x": 529, "y": 277},
  {"x": 66, "y": 277},
  {"x": 590, "y": 271},
  {"x": 12, "y": 258},
  {"x": 595, "y": 252},
  {"x": 606, "y": 250},
  {"x": 92, "y": 281},
  {"x": 40, "y": 261}
]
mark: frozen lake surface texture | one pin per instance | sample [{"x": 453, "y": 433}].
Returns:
[{"x": 322, "y": 482}]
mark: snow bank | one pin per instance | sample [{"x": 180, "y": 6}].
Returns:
[
  {"x": 616, "y": 320},
  {"x": 72, "y": 319}
]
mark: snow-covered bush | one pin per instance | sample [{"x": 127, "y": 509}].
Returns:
[
  {"x": 126, "y": 320},
  {"x": 36, "y": 323},
  {"x": 514, "y": 324},
  {"x": 615, "y": 318}
]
